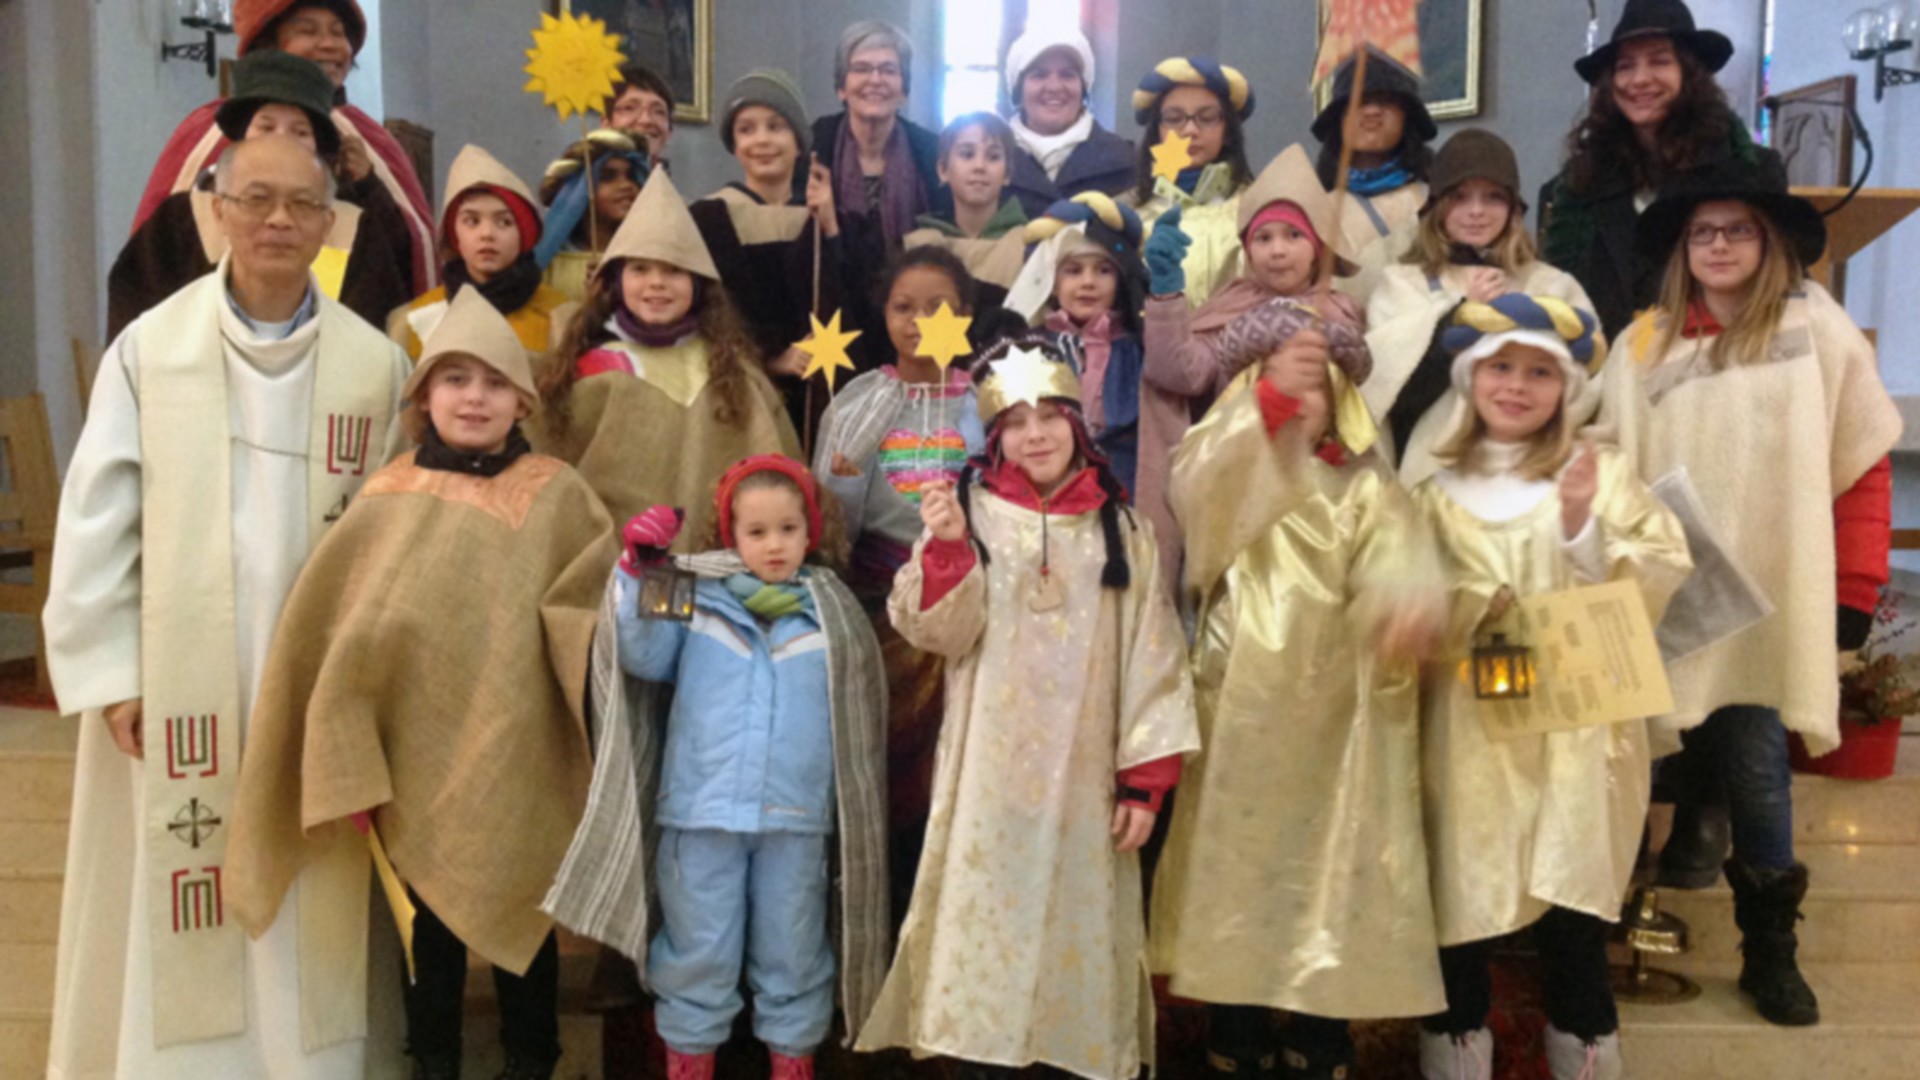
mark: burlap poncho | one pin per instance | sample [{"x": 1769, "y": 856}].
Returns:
[{"x": 429, "y": 667}]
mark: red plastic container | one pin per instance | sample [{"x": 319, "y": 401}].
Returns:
[{"x": 1867, "y": 751}]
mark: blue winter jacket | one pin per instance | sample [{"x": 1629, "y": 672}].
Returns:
[{"x": 750, "y": 735}]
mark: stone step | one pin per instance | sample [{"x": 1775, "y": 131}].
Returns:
[
  {"x": 23, "y": 1042},
  {"x": 1870, "y": 1028},
  {"x": 29, "y": 908},
  {"x": 1886, "y": 811}
]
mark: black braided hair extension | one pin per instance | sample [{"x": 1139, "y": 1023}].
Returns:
[
  {"x": 963, "y": 491},
  {"x": 1116, "y": 574}
]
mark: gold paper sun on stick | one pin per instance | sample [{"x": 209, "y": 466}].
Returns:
[{"x": 574, "y": 63}]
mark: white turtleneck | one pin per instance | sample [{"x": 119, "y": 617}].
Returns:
[{"x": 1491, "y": 488}]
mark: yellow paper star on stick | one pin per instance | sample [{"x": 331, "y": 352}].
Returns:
[
  {"x": 574, "y": 63},
  {"x": 826, "y": 349},
  {"x": 943, "y": 336},
  {"x": 1172, "y": 155}
]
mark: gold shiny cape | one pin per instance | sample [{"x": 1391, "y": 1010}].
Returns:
[
  {"x": 1515, "y": 826},
  {"x": 1295, "y": 871},
  {"x": 429, "y": 667},
  {"x": 654, "y": 439},
  {"x": 1024, "y": 941},
  {"x": 1769, "y": 443},
  {"x": 1211, "y": 217},
  {"x": 532, "y": 322}
]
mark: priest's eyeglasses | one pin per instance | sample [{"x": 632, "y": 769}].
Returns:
[
  {"x": 259, "y": 206},
  {"x": 1740, "y": 232}
]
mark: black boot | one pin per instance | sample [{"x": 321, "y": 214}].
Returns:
[
  {"x": 1766, "y": 904},
  {"x": 436, "y": 1067},
  {"x": 1316, "y": 1048},
  {"x": 1241, "y": 1042},
  {"x": 1701, "y": 837},
  {"x": 1222, "y": 1062}
]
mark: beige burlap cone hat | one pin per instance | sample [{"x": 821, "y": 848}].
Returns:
[
  {"x": 471, "y": 327},
  {"x": 474, "y": 167},
  {"x": 1291, "y": 177},
  {"x": 659, "y": 227}
]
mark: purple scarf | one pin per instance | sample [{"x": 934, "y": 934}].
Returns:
[{"x": 902, "y": 196}]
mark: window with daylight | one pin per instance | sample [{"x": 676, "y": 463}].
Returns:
[{"x": 972, "y": 35}]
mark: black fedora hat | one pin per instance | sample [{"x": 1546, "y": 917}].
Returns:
[
  {"x": 271, "y": 77},
  {"x": 1385, "y": 75},
  {"x": 1663, "y": 225},
  {"x": 1657, "y": 18}
]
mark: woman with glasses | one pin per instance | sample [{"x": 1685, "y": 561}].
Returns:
[
  {"x": 1387, "y": 172},
  {"x": 1205, "y": 102},
  {"x": 366, "y": 262},
  {"x": 885, "y": 167},
  {"x": 1655, "y": 120},
  {"x": 1063, "y": 150}
]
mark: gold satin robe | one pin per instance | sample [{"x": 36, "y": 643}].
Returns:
[
  {"x": 1517, "y": 826},
  {"x": 1211, "y": 218},
  {"x": 1295, "y": 871},
  {"x": 1024, "y": 942}
]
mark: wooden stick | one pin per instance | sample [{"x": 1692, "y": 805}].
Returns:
[
  {"x": 1354, "y": 100},
  {"x": 586, "y": 162},
  {"x": 806, "y": 438}
]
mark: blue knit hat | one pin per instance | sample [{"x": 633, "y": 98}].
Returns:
[{"x": 1228, "y": 84}]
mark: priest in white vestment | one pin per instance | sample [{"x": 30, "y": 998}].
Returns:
[{"x": 229, "y": 426}]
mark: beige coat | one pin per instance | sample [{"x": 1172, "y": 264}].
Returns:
[
  {"x": 1769, "y": 444},
  {"x": 429, "y": 668}
]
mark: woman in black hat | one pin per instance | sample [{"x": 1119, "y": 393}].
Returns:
[
  {"x": 1754, "y": 380},
  {"x": 274, "y": 94},
  {"x": 1655, "y": 119},
  {"x": 1387, "y": 176}
]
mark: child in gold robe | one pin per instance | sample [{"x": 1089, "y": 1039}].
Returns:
[{"x": 1539, "y": 830}]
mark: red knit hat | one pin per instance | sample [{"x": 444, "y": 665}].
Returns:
[
  {"x": 523, "y": 215},
  {"x": 252, "y": 18},
  {"x": 779, "y": 463}
]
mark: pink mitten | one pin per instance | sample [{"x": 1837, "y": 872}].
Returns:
[{"x": 647, "y": 537}]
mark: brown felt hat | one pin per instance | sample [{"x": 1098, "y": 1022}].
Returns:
[
  {"x": 472, "y": 326},
  {"x": 277, "y": 78},
  {"x": 1474, "y": 154}
]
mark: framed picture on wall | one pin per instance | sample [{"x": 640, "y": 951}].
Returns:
[
  {"x": 1450, "y": 40},
  {"x": 672, "y": 37}
]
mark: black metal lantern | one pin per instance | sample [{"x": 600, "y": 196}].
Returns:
[
  {"x": 1502, "y": 671},
  {"x": 666, "y": 591}
]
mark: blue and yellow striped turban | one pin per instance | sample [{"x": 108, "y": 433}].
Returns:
[
  {"x": 1227, "y": 83},
  {"x": 1547, "y": 323},
  {"x": 1087, "y": 208}
]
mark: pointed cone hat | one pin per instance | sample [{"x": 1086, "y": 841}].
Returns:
[
  {"x": 471, "y": 327},
  {"x": 1291, "y": 177},
  {"x": 659, "y": 227},
  {"x": 475, "y": 167}
]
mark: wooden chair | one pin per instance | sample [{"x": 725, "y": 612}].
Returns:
[
  {"x": 29, "y": 503},
  {"x": 86, "y": 364}
]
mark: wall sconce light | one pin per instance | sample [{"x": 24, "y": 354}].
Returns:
[
  {"x": 212, "y": 18},
  {"x": 1875, "y": 33},
  {"x": 1502, "y": 671}
]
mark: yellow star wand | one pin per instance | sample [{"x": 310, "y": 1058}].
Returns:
[
  {"x": 943, "y": 339},
  {"x": 1172, "y": 155},
  {"x": 826, "y": 351}
]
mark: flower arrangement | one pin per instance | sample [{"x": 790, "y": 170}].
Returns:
[{"x": 1882, "y": 683}]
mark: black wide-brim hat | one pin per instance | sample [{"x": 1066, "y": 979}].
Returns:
[
  {"x": 1385, "y": 75},
  {"x": 271, "y": 77},
  {"x": 1664, "y": 223},
  {"x": 1657, "y": 18}
]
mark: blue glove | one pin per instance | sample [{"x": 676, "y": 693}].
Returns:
[{"x": 1166, "y": 251}]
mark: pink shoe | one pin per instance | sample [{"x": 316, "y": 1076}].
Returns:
[
  {"x": 791, "y": 1068},
  {"x": 688, "y": 1066}
]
